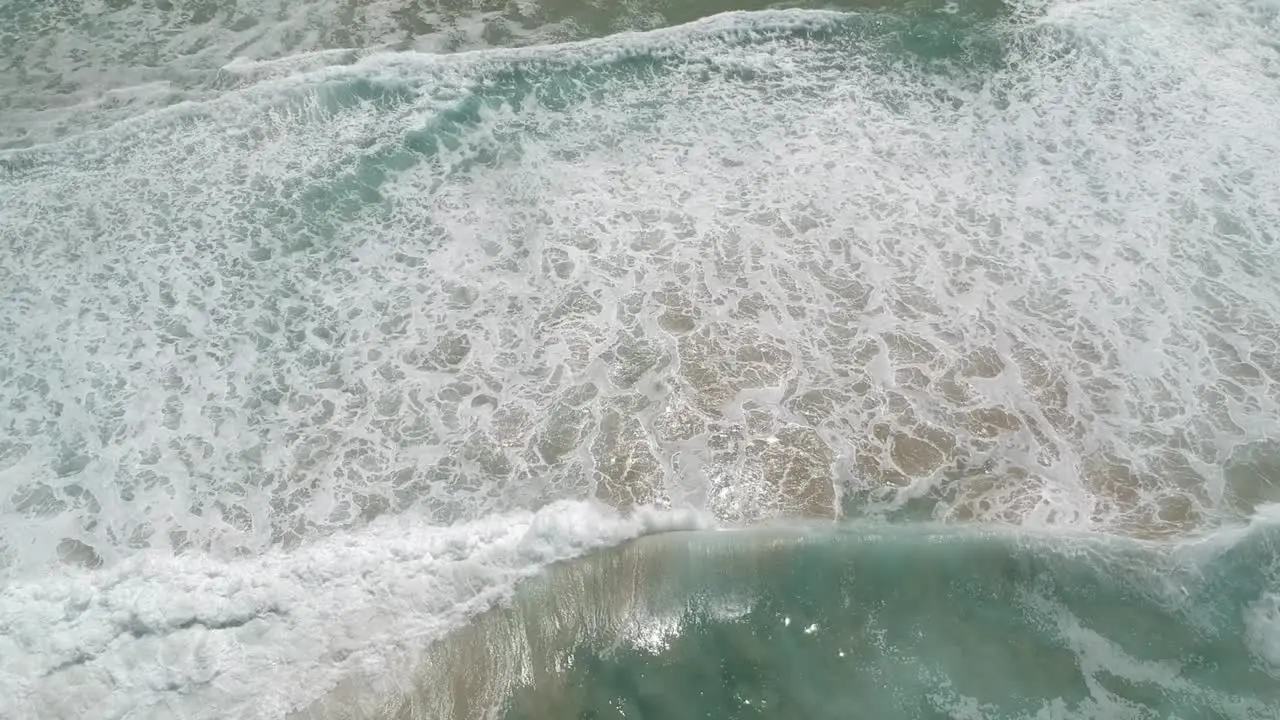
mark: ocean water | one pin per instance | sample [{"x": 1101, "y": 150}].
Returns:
[
  {"x": 867, "y": 622},
  {"x": 639, "y": 359}
]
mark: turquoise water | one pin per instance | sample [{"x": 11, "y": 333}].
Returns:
[
  {"x": 399, "y": 359},
  {"x": 920, "y": 624},
  {"x": 867, "y": 621}
]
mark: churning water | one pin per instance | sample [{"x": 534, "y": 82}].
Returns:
[{"x": 325, "y": 325}]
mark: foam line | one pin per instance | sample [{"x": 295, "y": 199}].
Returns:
[{"x": 159, "y": 636}]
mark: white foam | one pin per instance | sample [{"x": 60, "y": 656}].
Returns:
[
  {"x": 863, "y": 273},
  {"x": 73, "y": 60},
  {"x": 756, "y": 275},
  {"x": 159, "y": 636}
]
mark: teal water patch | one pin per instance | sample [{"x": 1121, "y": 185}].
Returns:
[
  {"x": 902, "y": 624},
  {"x": 538, "y": 94}
]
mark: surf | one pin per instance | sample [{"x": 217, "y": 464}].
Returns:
[{"x": 311, "y": 364}]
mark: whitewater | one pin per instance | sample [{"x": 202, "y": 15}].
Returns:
[{"x": 337, "y": 335}]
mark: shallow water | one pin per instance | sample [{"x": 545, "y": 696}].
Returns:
[{"x": 329, "y": 324}]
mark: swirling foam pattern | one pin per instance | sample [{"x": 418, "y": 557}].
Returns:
[{"x": 1012, "y": 263}]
